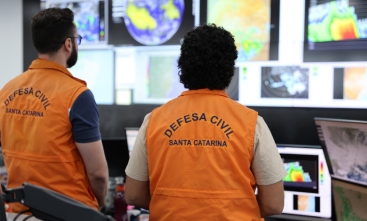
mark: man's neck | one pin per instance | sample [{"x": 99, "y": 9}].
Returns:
[{"x": 55, "y": 58}]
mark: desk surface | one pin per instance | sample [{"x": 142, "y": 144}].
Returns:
[{"x": 10, "y": 217}]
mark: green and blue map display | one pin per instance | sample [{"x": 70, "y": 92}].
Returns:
[
  {"x": 153, "y": 22},
  {"x": 88, "y": 21},
  {"x": 350, "y": 201},
  {"x": 248, "y": 21}
]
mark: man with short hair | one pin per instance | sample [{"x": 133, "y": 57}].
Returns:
[
  {"x": 202, "y": 155},
  {"x": 49, "y": 121}
]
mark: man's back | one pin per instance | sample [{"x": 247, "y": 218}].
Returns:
[
  {"x": 205, "y": 152},
  {"x": 36, "y": 132},
  {"x": 201, "y": 150}
]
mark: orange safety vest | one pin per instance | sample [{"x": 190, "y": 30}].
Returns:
[
  {"x": 200, "y": 149},
  {"x": 36, "y": 133}
]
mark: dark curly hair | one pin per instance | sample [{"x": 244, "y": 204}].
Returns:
[
  {"x": 207, "y": 59},
  {"x": 50, "y": 28}
]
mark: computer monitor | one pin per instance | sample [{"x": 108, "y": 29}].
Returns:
[
  {"x": 131, "y": 134},
  {"x": 345, "y": 146},
  {"x": 117, "y": 155},
  {"x": 350, "y": 200},
  {"x": 307, "y": 185}
]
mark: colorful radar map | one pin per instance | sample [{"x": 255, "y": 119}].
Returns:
[
  {"x": 249, "y": 23},
  {"x": 335, "y": 21},
  {"x": 86, "y": 18},
  {"x": 295, "y": 173}
]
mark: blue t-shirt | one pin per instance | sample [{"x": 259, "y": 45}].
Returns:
[{"x": 84, "y": 118}]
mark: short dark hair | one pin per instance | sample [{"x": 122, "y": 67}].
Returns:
[
  {"x": 208, "y": 54},
  {"x": 50, "y": 28}
]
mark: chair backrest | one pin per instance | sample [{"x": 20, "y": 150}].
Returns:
[{"x": 2, "y": 207}]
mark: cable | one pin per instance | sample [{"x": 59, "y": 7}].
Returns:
[
  {"x": 17, "y": 216},
  {"x": 28, "y": 217}
]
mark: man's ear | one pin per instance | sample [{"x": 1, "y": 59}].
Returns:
[{"x": 68, "y": 45}]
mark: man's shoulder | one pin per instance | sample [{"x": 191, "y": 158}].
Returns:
[{"x": 85, "y": 97}]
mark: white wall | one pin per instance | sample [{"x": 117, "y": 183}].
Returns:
[{"x": 11, "y": 40}]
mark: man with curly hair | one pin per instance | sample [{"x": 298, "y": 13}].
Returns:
[
  {"x": 202, "y": 155},
  {"x": 49, "y": 123}
]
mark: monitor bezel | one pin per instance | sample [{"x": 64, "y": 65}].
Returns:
[{"x": 325, "y": 150}]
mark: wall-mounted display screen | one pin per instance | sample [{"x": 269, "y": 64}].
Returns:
[
  {"x": 152, "y": 75},
  {"x": 96, "y": 67},
  {"x": 162, "y": 77},
  {"x": 254, "y": 25},
  {"x": 329, "y": 85},
  {"x": 145, "y": 22},
  {"x": 89, "y": 17},
  {"x": 350, "y": 83},
  {"x": 284, "y": 82},
  {"x": 304, "y": 53},
  {"x": 335, "y": 30}
]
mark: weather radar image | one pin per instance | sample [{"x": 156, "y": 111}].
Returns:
[
  {"x": 335, "y": 21},
  {"x": 153, "y": 22},
  {"x": 295, "y": 173},
  {"x": 301, "y": 173},
  {"x": 249, "y": 22},
  {"x": 86, "y": 18}
]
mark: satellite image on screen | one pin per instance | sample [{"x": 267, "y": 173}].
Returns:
[
  {"x": 355, "y": 83},
  {"x": 350, "y": 201},
  {"x": 347, "y": 149},
  {"x": 152, "y": 22},
  {"x": 95, "y": 67},
  {"x": 306, "y": 203},
  {"x": 163, "y": 80},
  {"x": 335, "y": 21},
  {"x": 86, "y": 18},
  {"x": 284, "y": 82},
  {"x": 249, "y": 22}
]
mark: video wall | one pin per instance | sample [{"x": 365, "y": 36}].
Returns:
[{"x": 304, "y": 53}]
